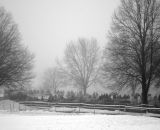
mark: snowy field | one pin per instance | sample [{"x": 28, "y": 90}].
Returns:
[
  {"x": 19, "y": 117},
  {"x": 46, "y": 121}
]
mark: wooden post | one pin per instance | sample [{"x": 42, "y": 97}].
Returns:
[
  {"x": 3, "y": 106},
  {"x": 48, "y": 106},
  {"x": 10, "y": 107},
  {"x": 13, "y": 106},
  {"x": 79, "y": 109},
  {"x": 55, "y": 108},
  {"x": 94, "y": 109},
  {"x": 124, "y": 108}
]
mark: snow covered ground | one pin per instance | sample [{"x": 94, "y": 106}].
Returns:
[
  {"x": 14, "y": 116},
  {"x": 46, "y": 121}
]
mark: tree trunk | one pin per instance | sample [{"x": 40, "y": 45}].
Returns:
[
  {"x": 84, "y": 91},
  {"x": 144, "y": 94}
]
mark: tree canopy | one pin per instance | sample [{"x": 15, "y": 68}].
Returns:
[
  {"x": 134, "y": 47},
  {"x": 82, "y": 63},
  {"x": 16, "y": 61}
]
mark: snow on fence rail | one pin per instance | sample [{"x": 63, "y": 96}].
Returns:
[{"x": 138, "y": 109}]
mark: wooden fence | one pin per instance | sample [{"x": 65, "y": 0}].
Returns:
[{"x": 48, "y": 105}]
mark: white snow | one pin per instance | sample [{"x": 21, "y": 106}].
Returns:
[
  {"x": 14, "y": 116},
  {"x": 46, "y": 121}
]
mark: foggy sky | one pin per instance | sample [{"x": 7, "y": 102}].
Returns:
[{"x": 47, "y": 26}]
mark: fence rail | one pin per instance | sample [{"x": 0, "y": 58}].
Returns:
[{"x": 137, "y": 109}]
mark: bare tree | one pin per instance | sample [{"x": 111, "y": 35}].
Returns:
[
  {"x": 134, "y": 48},
  {"x": 15, "y": 59},
  {"x": 81, "y": 63},
  {"x": 53, "y": 80}
]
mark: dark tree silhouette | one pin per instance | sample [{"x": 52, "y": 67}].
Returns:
[
  {"x": 15, "y": 59},
  {"x": 134, "y": 48}
]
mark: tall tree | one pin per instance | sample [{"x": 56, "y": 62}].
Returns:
[
  {"x": 81, "y": 63},
  {"x": 15, "y": 59},
  {"x": 134, "y": 48}
]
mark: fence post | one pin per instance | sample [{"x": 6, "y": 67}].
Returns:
[
  {"x": 94, "y": 108},
  {"x": 49, "y": 106},
  {"x": 124, "y": 108},
  {"x": 55, "y": 108},
  {"x": 79, "y": 108},
  {"x": 3, "y": 106},
  {"x": 19, "y": 107},
  {"x": 10, "y": 107},
  {"x": 13, "y": 106}
]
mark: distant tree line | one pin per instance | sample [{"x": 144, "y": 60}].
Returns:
[{"x": 77, "y": 97}]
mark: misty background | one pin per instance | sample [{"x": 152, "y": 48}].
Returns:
[{"x": 47, "y": 26}]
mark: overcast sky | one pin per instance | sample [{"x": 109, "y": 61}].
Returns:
[{"x": 47, "y": 26}]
